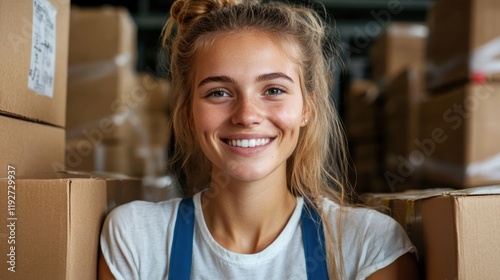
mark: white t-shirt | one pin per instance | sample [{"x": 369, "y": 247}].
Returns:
[{"x": 136, "y": 240}]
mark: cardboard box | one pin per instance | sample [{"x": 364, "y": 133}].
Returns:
[
  {"x": 54, "y": 225},
  {"x": 456, "y": 231},
  {"x": 110, "y": 30},
  {"x": 83, "y": 155},
  {"x": 464, "y": 42},
  {"x": 458, "y": 137},
  {"x": 362, "y": 109},
  {"x": 136, "y": 128},
  {"x": 366, "y": 157},
  {"x": 142, "y": 128},
  {"x": 95, "y": 101},
  {"x": 121, "y": 158},
  {"x": 40, "y": 94},
  {"x": 403, "y": 97},
  {"x": 156, "y": 92},
  {"x": 32, "y": 148},
  {"x": 367, "y": 173},
  {"x": 401, "y": 45},
  {"x": 102, "y": 52}
]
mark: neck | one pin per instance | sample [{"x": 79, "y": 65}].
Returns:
[{"x": 245, "y": 217}]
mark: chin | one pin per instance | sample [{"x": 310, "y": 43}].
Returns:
[{"x": 254, "y": 175}]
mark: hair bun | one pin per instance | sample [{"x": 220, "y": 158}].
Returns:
[{"x": 185, "y": 12}]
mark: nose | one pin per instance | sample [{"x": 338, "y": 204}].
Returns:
[{"x": 247, "y": 112}]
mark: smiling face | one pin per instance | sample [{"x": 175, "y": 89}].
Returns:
[{"x": 247, "y": 106}]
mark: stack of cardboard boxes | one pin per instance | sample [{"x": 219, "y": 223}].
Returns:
[
  {"x": 452, "y": 143},
  {"x": 464, "y": 85},
  {"x": 455, "y": 231},
  {"x": 51, "y": 219},
  {"x": 33, "y": 86},
  {"x": 379, "y": 110},
  {"x": 363, "y": 120},
  {"x": 117, "y": 120}
]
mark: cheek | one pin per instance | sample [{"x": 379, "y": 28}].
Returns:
[
  {"x": 291, "y": 111},
  {"x": 288, "y": 117},
  {"x": 205, "y": 119}
]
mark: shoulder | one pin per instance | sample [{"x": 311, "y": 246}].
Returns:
[
  {"x": 363, "y": 221},
  {"x": 141, "y": 212},
  {"x": 131, "y": 230},
  {"x": 139, "y": 218},
  {"x": 370, "y": 240}
]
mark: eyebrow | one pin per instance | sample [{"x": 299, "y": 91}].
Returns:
[
  {"x": 261, "y": 78},
  {"x": 215, "y": 79},
  {"x": 273, "y": 76}
]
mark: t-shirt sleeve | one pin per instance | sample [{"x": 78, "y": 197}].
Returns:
[
  {"x": 384, "y": 241},
  {"x": 117, "y": 241}
]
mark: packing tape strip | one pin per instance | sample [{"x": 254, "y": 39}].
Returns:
[
  {"x": 99, "y": 175},
  {"x": 118, "y": 119},
  {"x": 487, "y": 169},
  {"x": 83, "y": 73},
  {"x": 484, "y": 60},
  {"x": 410, "y": 30},
  {"x": 413, "y": 225}
]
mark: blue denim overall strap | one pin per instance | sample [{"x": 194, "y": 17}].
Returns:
[
  {"x": 181, "y": 255},
  {"x": 182, "y": 244},
  {"x": 314, "y": 243}
]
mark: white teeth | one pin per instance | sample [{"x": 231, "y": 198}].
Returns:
[
  {"x": 251, "y": 143},
  {"x": 245, "y": 143}
]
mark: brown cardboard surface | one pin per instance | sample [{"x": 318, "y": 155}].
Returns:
[
  {"x": 142, "y": 128},
  {"x": 366, "y": 175},
  {"x": 400, "y": 46},
  {"x": 110, "y": 94},
  {"x": 461, "y": 237},
  {"x": 102, "y": 53},
  {"x": 57, "y": 226},
  {"x": 402, "y": 99},
  {"x": 111, "y": 30},
  {"x": 459, "y": 234},
  {"x": 466, "y": 116},
  {"x": 157, "y": 93},
  {"x": 361, "y": 110},
  {"x": 366, "y": 157},
  {"x": 32, "y": 148},
  {"x": 16, "y": 19},
  {"x": 138, "y": 128},
  {"x": 122, "y": 158},
  {"x": 458, "y": 29}
]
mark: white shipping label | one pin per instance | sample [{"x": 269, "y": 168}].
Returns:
[{"x": 43, "y": 48}]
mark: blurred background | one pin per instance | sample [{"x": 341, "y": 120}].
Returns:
[
  {"x": 360, "y": 23},
  {"x": 83, "y": 98},
  {"x": 399, "y": 58}
]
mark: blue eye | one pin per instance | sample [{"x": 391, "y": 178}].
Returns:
[
  {"x": 218, "y": 93},
  {"x": 274, "y": 91}
]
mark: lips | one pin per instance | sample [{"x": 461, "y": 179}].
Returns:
[{"x": 247, "y": 143}]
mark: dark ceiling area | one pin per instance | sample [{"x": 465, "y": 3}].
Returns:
[{"x": 358, "y": 22}]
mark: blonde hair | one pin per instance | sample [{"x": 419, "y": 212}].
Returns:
[{"x": 318, "y": 166}]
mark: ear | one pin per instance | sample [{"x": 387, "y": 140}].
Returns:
[{"x": 306, "y": 114}]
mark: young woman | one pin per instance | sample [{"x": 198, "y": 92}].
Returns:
[{"x": 262, "y": 150}]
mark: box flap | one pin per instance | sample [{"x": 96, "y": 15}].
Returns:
[{"x": 490, "y": 190}]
